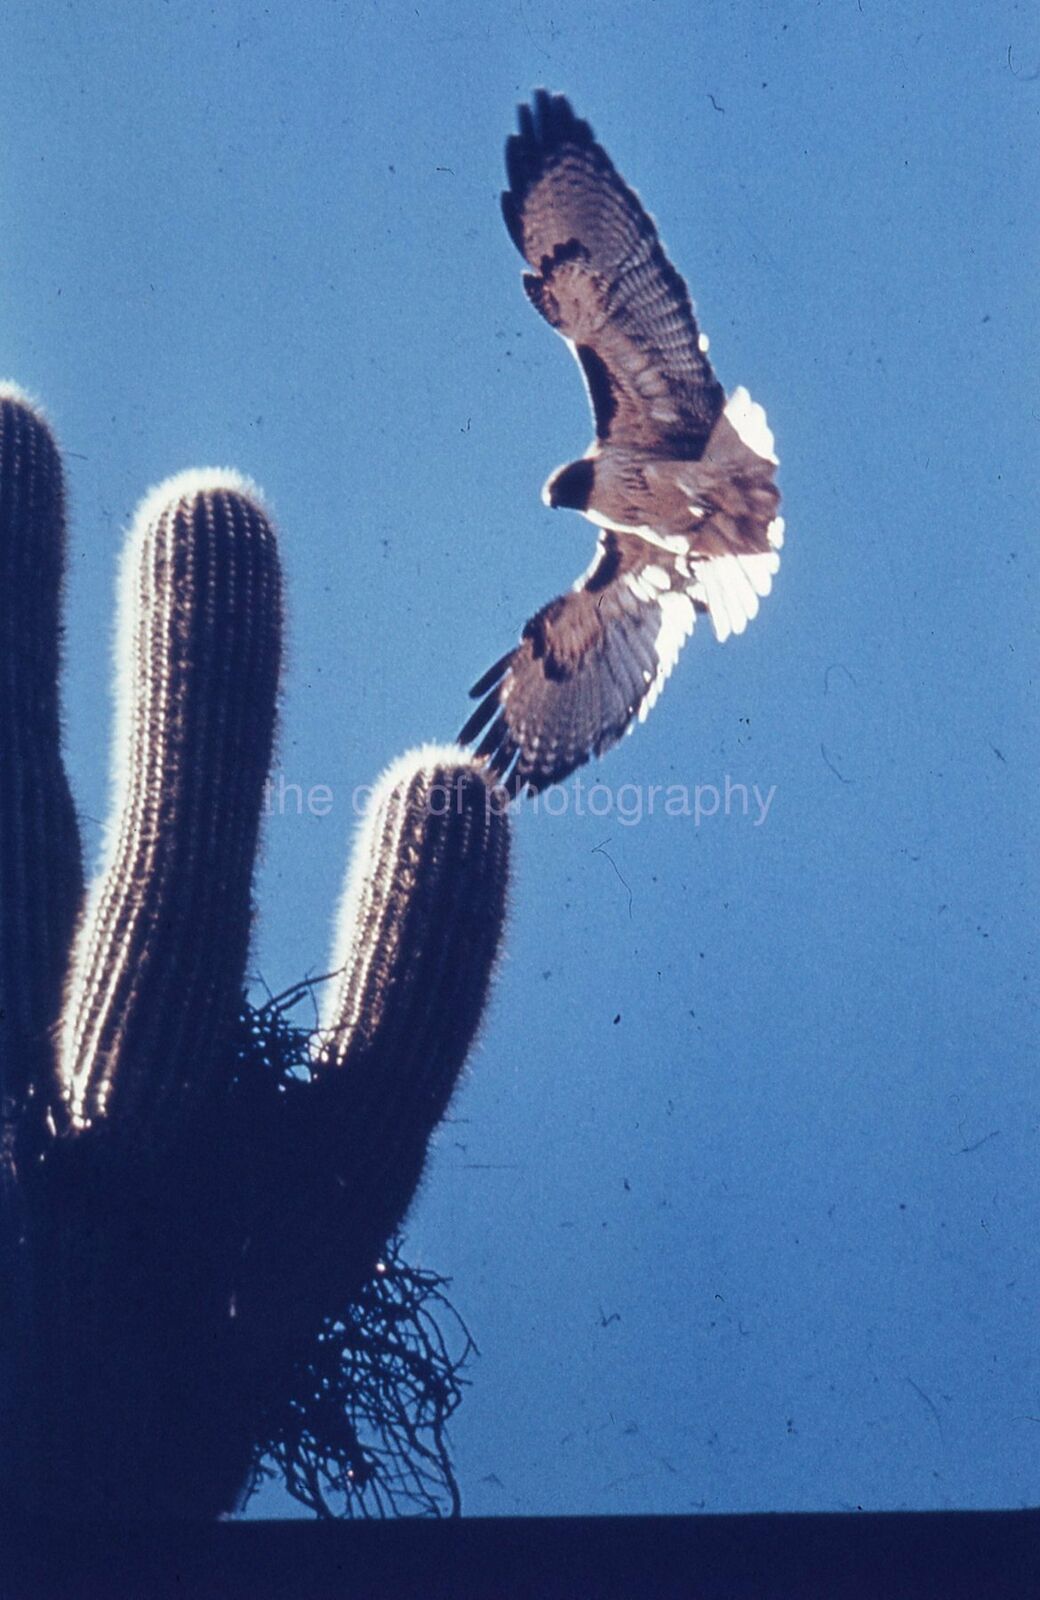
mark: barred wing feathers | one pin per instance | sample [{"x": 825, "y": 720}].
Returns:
[
  {"x": 588, "y": 664},
  {"x": 601, "y": 278}
]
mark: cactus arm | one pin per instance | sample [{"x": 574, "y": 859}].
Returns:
[
  {"x": 158, "y": 960},
  {"x": 417, "y": 936},
  {"x": 41, "y": 880}
]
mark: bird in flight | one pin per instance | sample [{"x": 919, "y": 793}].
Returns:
[{"x": 678, "y": 479}]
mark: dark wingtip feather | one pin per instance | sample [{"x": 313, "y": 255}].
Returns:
[
  {"x": 557, "y": 119},
  {"x": 520, "y": 169},
  {"x": 557, "y": 123},
  {"x": 547, "y": 117},
  {"x": 546, "y": 125},
  {"x": 511, "y": 216},
  {"x": 489, "y": 708},
  {"x": 492, "y": 675},
  {"x": 525, "y": 121},
  {"x": 472, "y": 726}
]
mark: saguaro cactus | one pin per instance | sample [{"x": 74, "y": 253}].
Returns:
[{"x": 180, "y": 1227}]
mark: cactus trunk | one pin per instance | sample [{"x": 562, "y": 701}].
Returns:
[{"x": 41, "y": 881}]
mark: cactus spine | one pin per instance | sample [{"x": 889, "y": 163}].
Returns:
[{"x": 158, "y": 960}]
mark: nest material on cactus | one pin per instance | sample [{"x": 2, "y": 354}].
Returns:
[
  {"x": 359, "y": 1425},
  {"x": 364, "y": 1430}
]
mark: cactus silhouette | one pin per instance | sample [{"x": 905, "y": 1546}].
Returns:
[{"x": 199, "y": 1199}]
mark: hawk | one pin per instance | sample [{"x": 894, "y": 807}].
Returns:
[{"x": 678, "y": 479}]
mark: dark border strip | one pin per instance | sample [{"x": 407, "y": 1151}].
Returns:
[{"x": 984, "y": 1555}]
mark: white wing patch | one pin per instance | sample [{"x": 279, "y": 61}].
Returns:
[
  {"x": 649, "y": 583},
  {"x": 677, "y": 619},
  {"x": 731, "y": 586},
  {"x": 748, "y": 419},
  {"x": 676, "y": 544}
]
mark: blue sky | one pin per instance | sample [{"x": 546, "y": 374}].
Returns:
[{"x": 739, "y": 1199}]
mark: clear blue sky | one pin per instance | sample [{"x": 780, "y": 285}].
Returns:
[{"x": 740, "y": 1198}]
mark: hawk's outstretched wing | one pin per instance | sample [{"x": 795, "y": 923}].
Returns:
[
  {"x": 605, "y": 284},
  {"x": 593, "y": 661}
]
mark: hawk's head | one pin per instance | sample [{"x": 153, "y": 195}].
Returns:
[{"x": 570, "y": 486}]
